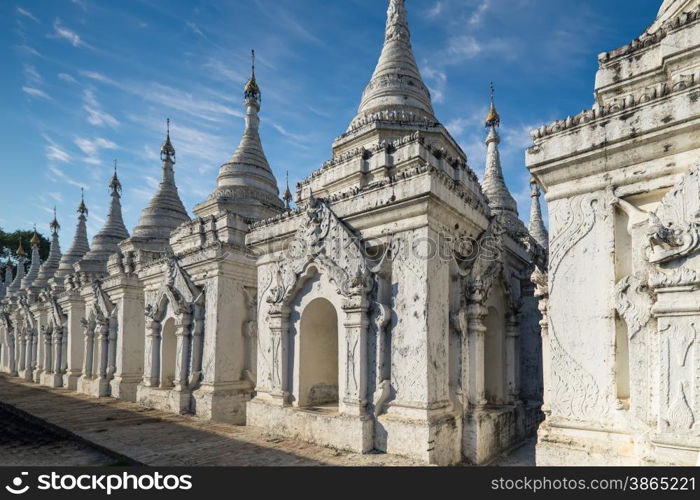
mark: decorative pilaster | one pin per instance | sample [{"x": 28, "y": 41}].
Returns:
[
  {"x": 354, "y": 401},
  {"x": 279, "y": 336},
  {"x": 512, "y": 359},
  {"x": 152, "y": 353},
  {"x": 476, "y": 313},
  {"x": 182, "y": 335}
]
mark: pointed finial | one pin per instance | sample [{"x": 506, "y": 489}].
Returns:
[
  {"x": 287, "y": 194},
  {"x": 536, "y": 225},
  {"x": 35, "y": 238},
  {"x": 251, "y": 91},
  {"x": 20, "y": 251},
  {"x": 55, "y": 226},
  {"x": 167, "y": 151},
  {"x": 114, "y": 185},
  {"x": 82, "y": 209},
  {"x": 493, "y": 119}
]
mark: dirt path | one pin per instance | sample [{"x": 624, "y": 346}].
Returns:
[{"x": 157, "y": 438}]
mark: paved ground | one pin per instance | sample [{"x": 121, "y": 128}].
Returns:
[
  {"x": 109, "y": 427},
  {"x": 23, "y": 442}
]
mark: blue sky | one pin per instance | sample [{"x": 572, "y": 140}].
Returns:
[{"x": 87, "y": 81}]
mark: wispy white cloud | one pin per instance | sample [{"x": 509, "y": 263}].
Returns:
[
  {"x": 80, "y": 3},
  {"x": 171, "y": 98},
  {"x": 31, "y": 74},
  {"x": 56, "y": 154},
  {"x": 56, "y": 196},
  {"x": 56, "y": 175},
  {"x": 66, "y": 78},
  {"x": 93, "y": 147},
  {"x": 437, "y": 9},
  {"x": 24, "y": 12},
  {"x": 27, "y": 50},
  {"x": 62, "y": 32},
  {"x": 436, "y": 80},
  {"x": 34, "y": 92},
  {"x": 95, "y": 114},
  {"x": 478, "y": 15},
  {"x": 297, "y": 138}
]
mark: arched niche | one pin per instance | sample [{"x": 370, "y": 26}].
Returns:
[
  {"x": 168, "y": 352},
  {"x": 316, "y": 342}
]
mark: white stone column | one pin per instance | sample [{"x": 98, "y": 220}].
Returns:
[
  {"x": 101, "y": 338},
  {"x": 89, "y": 333},
  {"x": 151, "y": 373},
  {"x": 130, "y": 342},
  {"x": 182, "y": 356},
  {"x": 73, "y": 308},
  {"x": 512, "y": 359},
  {"x": 48, "y": 351},
  {"x": 279, "y": 337},
  {"x": 356, "y": 324},
  {"x": 57, "y": 344},
  {"x": 111, "y": 349},
  {"x": 22, "y": 338},
  {"x": 197, "y": 347},
  {"x": 477, "y": 330}
]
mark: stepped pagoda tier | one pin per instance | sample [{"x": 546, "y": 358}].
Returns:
[
  {"x": 35, "y": 263},
  {"x": 106, "y": 241},
  {"x": 50, "y": 266},
  {"x": 246, "y": 185},
  {"x": 164, "y": 213},
  {"x": 79, "y": 247}
]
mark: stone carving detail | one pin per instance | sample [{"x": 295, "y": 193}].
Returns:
[
  {"x": 680, "y": 415},
  {"x": 683, "y": 342},
  {"x": 488, "y": 265},
  {"x": 324, "y": 240},
  {"x": 677, "y": 277},
  {"x": 575, "y": 392},
  {"x": 633, "y": 303},
  {"x": 178, "y": 288},
  {"x": 674, "y": 229},
  {"x": 579, "y": 222}
]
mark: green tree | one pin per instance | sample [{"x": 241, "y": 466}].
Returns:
[{"x": 9, "y": 243}]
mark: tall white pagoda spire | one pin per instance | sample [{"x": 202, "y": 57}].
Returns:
[
  {"x": 16, "y": 284},
  {"x": 493, "y": 184},
  {"x": 396, "y": 91},
  {"x": 35, "y": 265},
  {"x": 245, "y": 184},
  {"x": 536, "y": 227},
  {"x": 80, "y": 244},
  {"x": 165, "y": 211},
  {"x": 106, "y": 241},
  {"x": 50, "y": 266}
]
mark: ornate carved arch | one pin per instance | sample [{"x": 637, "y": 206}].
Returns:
[
  {"x": 178, "y": 290},
  {"x": 325, "y": 242}
]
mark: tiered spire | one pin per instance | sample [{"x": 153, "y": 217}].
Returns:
[
  {"x": 165, "y": 211},
  {"x": 33, "y": 272},
  {"x": 536, "y": 227},
  {"x": 396, "y": 85},
  {"x": 49, "y": 268},
  {"x": 494, "y": 185},
  {"x": 17, "y": 282},
  {"x": 8, "y": 275},
  {"x": 245, "y": 184},
  {"x": 106, "y": 241},
  {"x": 80, "y": 244},
  {"x": 287, "y": 194}
]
